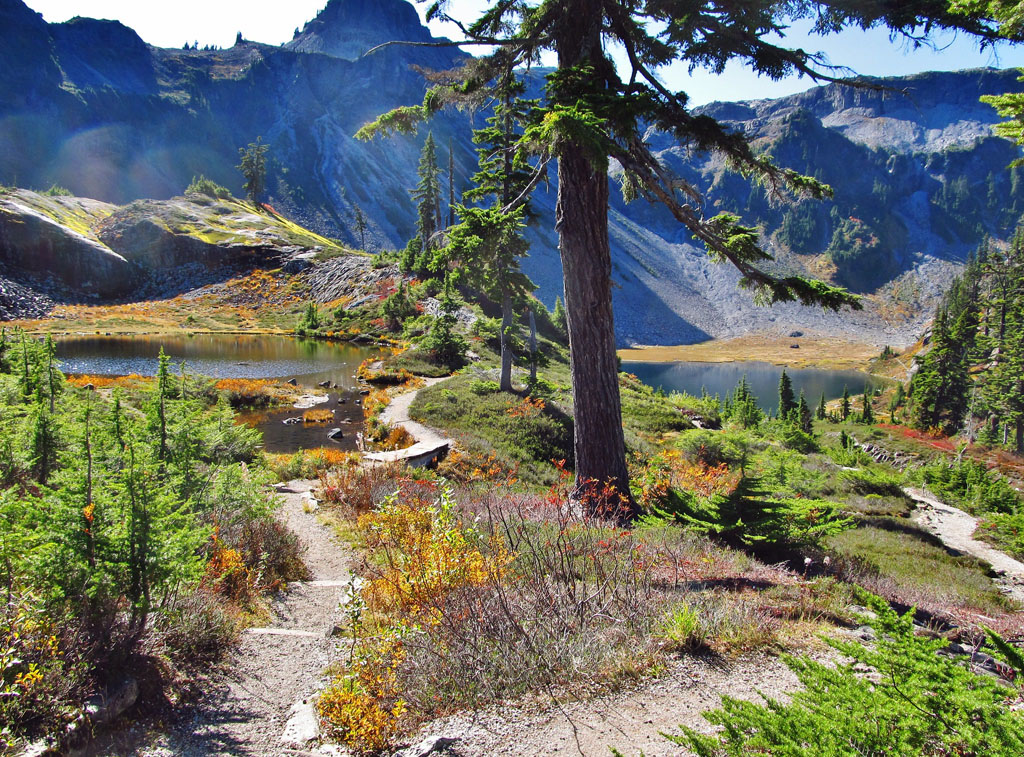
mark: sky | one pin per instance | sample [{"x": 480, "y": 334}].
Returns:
[{"x": 216, "y": 22}]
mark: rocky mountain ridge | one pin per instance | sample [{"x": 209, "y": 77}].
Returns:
[
  {"x": 919, "y": 179},
  {"x": 89, "y": 250}
]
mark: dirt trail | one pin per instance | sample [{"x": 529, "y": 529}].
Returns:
[
  {"x": 274, "y": 668},
  {"x": 955, "y": 529},
  {"x": 397, "y": 414},
  {"x": 631, "y": 722}
]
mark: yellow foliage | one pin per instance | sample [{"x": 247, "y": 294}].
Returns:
[
  {"x": 428, "y": 555},
  {"x": 361, "y": 708},
  {"x": 317, "y": 415}
]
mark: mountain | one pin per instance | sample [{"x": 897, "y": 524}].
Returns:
[{"x": 918, "y": 177}]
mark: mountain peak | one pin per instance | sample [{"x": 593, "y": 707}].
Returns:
[{"x": 348, "y": 28}]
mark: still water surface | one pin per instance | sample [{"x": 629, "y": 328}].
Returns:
[
  {"x": 311, "y": 362},
  {"x": 248, "y": 356},
  {"x": 763, "y": 378},
  {"x": 253, "y": 356}
]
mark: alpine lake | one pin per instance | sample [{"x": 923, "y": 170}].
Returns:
[{"x": 311, "y": 363}]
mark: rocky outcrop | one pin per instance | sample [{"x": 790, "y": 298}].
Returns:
[
  {"x": 76, "y": 247},
  {"x": 348, "y": 28},
  {"x": 48, "y": 237}
]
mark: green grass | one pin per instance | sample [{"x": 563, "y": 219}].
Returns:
[
  {"x": 530, "y": 438},
  {"x": 902, "y": 562}
]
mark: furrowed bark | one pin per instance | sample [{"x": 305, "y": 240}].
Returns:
[
  {"x": 599, "y": 444},
  {"x": 581, "y": 219}
]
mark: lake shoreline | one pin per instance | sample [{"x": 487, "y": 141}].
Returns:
[{"x": 812, "y": 351}]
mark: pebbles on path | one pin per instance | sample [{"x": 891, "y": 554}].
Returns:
[
  {"x": 263, "y": 706},
  {"x": 955, "y": 529}
]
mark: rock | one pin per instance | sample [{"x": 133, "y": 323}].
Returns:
[
  {"x": 794, "y": 346},
  {"x": 291, "y": 421},
  {"x": 303, "y": 725},
  {"x": 342, "y": 400},
  {"x": 292, "y": 382},
  {"x": 795, "y": 334},
  {"x": 90, "y": 387},
  {"x": 324, "y": 384},
  {"x": 113, "y": 703},
  {"x": 429, "y": 745},
  {"x": 335, "y": 433},
  {"x": 364, "y": 391}
]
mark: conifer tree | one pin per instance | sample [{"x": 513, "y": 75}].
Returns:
[
  {"x": 844, "y": 407},
  {"x": 253, "y": 165},
  {"x": 822, "y": 412},
  {"x": 939, "y": 388},
  {"x": 488, "y": 241},
  {"x": 418, "y": 254},
  {"x": 595, "y": 113},
  {"x": 43, "y": 445},
  {"x": 866, "y": 413},
  {"x": 803, "y": 414},
  {"x": 160, "y": 399},
  {"x": 361, "y": 227},
  {"x": 787, "y": 402},
  {"x": 558, "y": 315}
]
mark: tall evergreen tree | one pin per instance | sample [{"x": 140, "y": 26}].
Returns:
[
  {"x": 844, "y": 407},
  {"x": 803, "y": 414},
  {"x": 253, "y": 165},
  {"x": 821, "y": 412},
  {"x": 360, "y": 227},
  {"x": 939, "y": 388},
  {"x": 489, "y": 241},
  {"x": 418, "y": 255},
  {"x": 787, "y": 401},
  {"x": 867, "y": 415},
  {"x": 593, "y": 115}
]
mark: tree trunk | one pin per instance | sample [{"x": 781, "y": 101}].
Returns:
[
  {"x": 581, "y": 219},
  {"x": 582, "y": 223},
  {"x": 506, "y": 349},
  {"x": 533, "y": 347}
]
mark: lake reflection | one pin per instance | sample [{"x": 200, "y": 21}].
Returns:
[
  {"x": 721, "y": 379},
  {"x": 250, "y": 356}
]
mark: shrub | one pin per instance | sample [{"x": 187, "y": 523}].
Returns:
[
  {"x": 1005, "y": 531},
  {"x": 969, "y": 485},
  {"x": 913, "y": 702},
  {"x": 203, "y": 186},
  {"x": 197, "y": 629},
  {"x": 872, "y": 481},
  {"x": 480, "y": 386},
  {"x": 56, "y": 190}
]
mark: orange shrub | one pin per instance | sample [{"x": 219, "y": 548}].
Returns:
[
  {"x": 427, "y": 554},
  {"x": 317, "y": 415},
  {"x": 132, "y": 380}
]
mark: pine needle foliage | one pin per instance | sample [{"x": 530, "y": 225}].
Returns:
[{"x": 913, "y": 702}]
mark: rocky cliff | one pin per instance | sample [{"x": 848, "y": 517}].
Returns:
[
  {"x": 918, "y": 177},
  {"x": 76, "y": 248}
]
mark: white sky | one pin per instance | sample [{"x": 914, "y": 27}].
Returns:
[{"x": 216, "y": 22}]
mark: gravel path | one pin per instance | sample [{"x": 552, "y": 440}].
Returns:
[
  {"x": 955, "y": 529},
  {"x": 631, "y": 722},
  {"x": 397, "y": 414},
  {"x": 274, "y": 668}
]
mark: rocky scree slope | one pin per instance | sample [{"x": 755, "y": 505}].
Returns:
[
  {"x": 919, "y": 179},
  {"x": 74, "y": 249}
]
